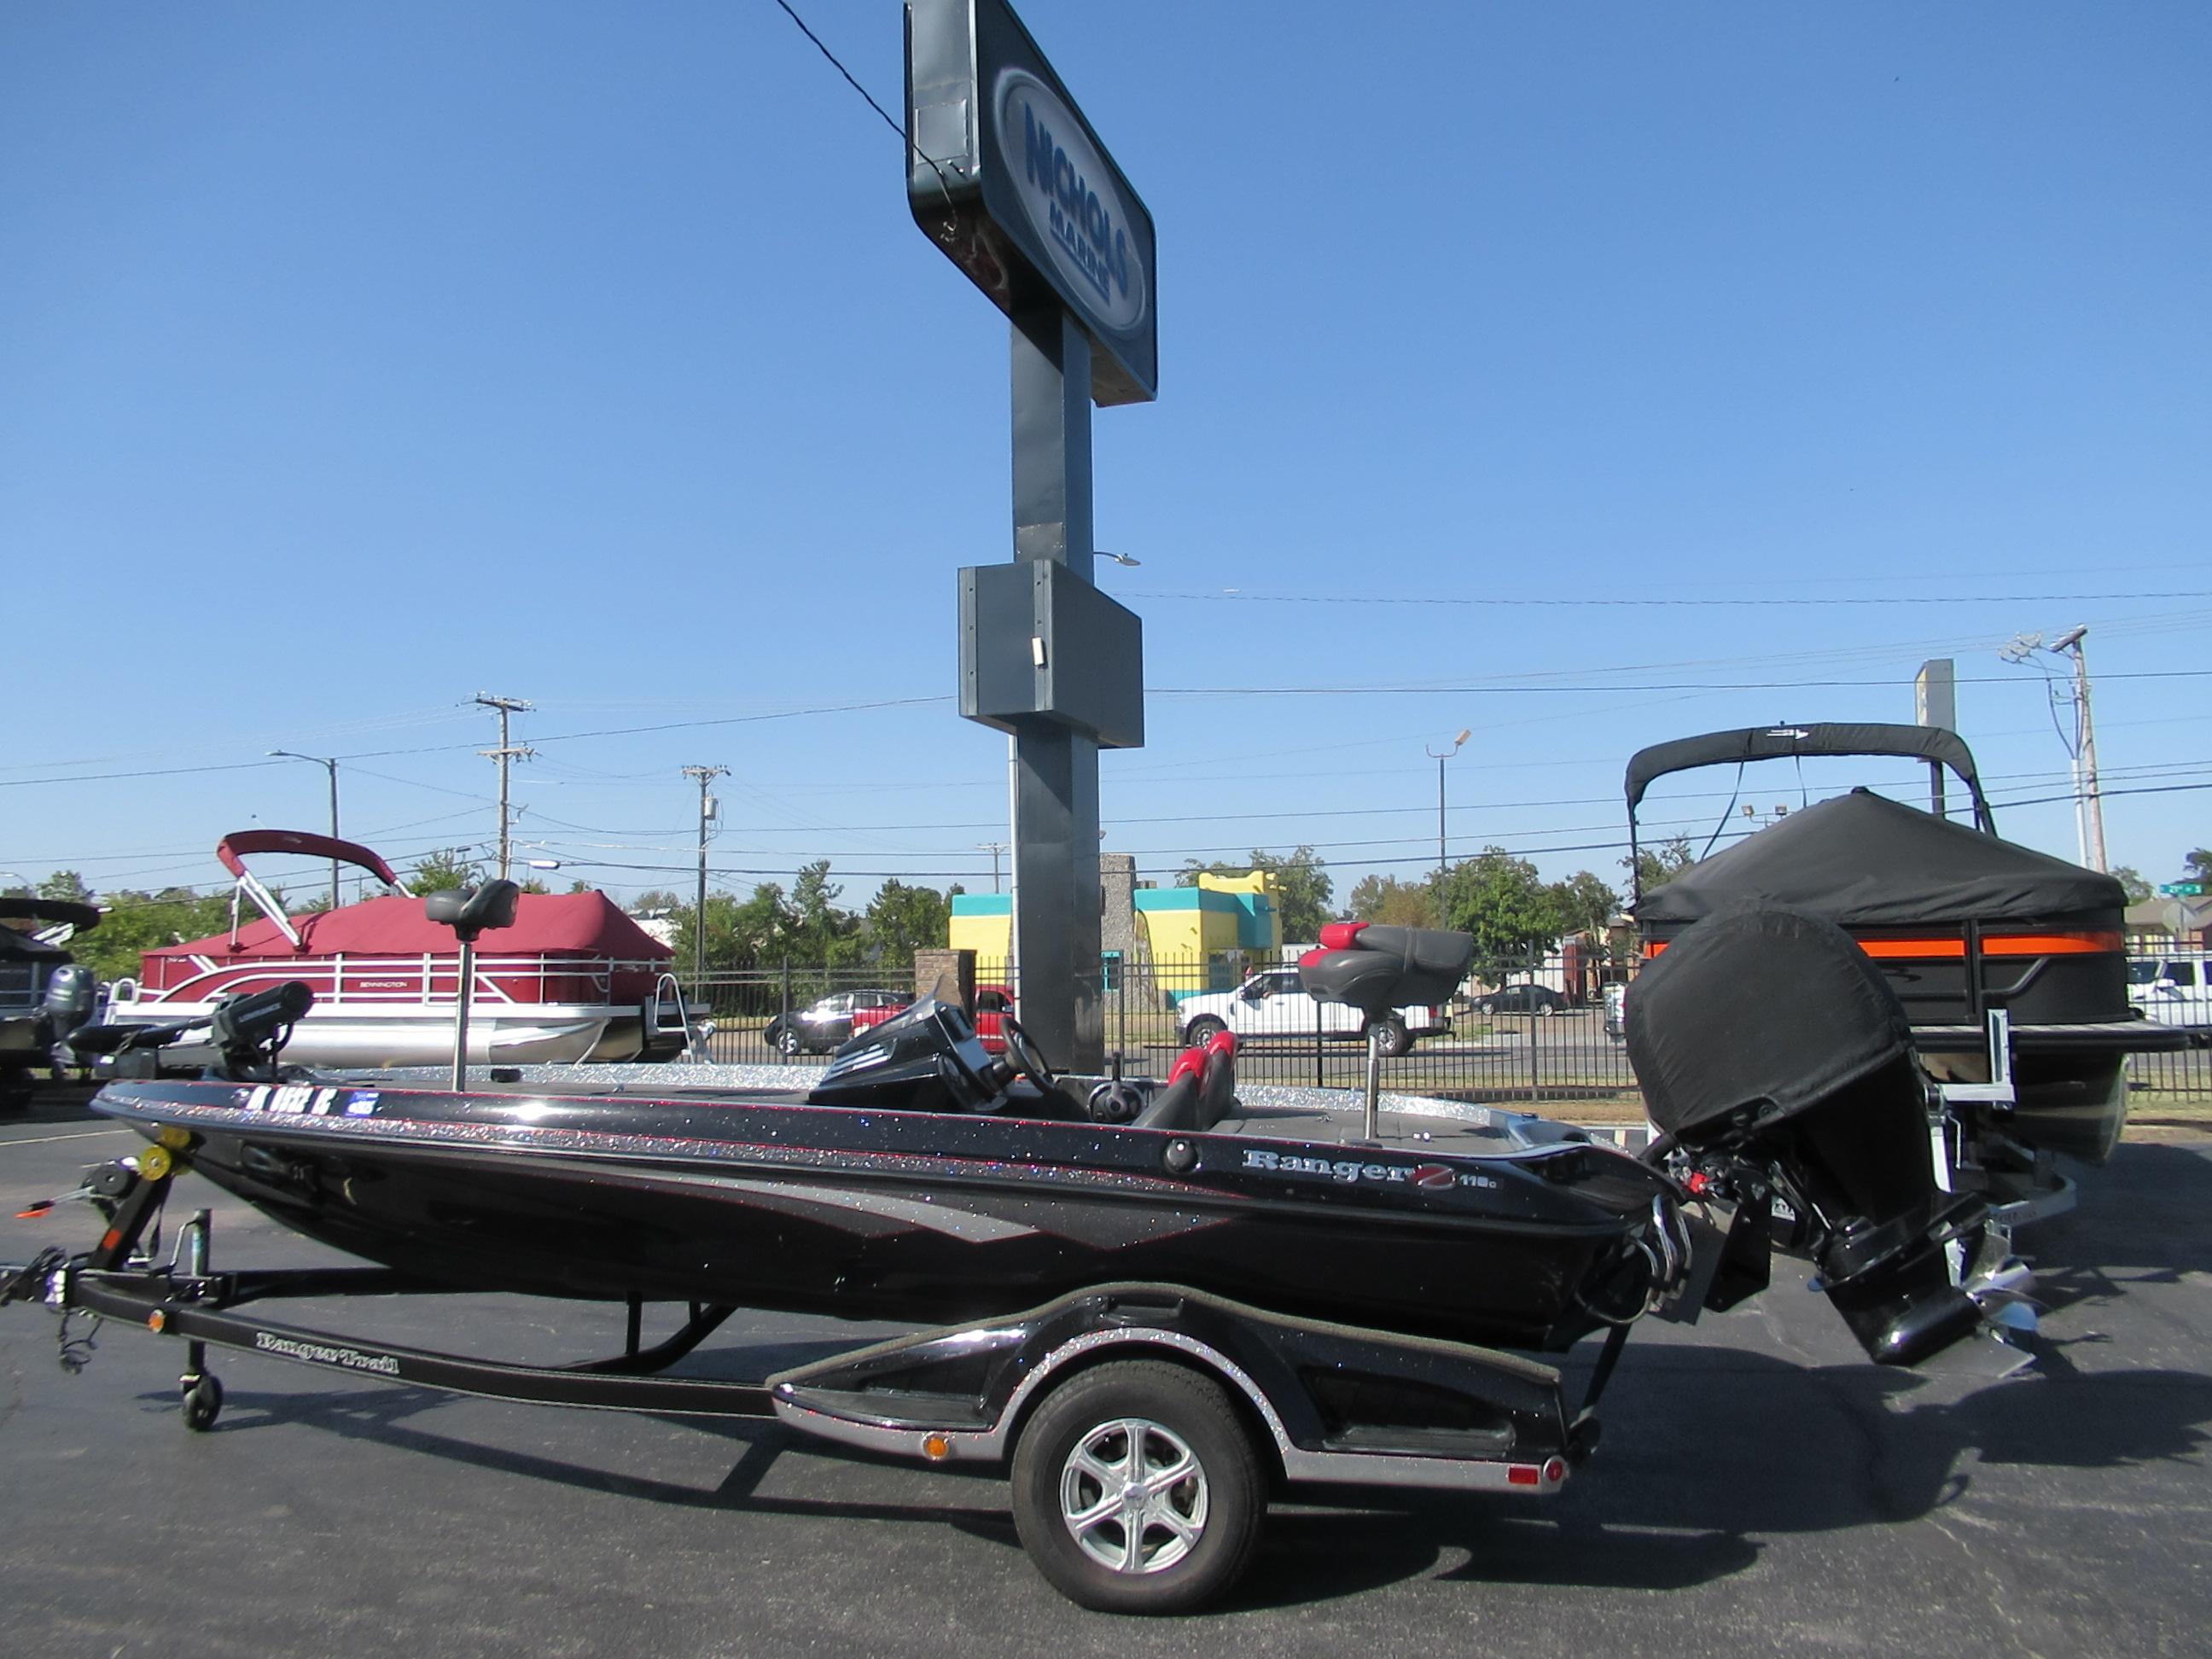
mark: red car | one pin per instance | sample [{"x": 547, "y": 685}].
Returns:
[{"x": 993, "y": 1003}]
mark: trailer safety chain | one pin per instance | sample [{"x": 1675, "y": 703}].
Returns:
[{"x": 76, "y": 1351}]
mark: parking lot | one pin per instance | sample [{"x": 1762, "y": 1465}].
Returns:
[{"x": 1760, "y": 1489}]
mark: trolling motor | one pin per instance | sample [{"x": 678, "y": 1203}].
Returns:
[
  {"x": 248, "y": 1032},
  {"x": 469, "y": 912},
  {"x": 1374, "y": 970}
]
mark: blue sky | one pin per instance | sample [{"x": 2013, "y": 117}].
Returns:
[{"x": 1582, "y": 376}]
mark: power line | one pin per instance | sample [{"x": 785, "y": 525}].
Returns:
[{"x": 1246, "y": 595}]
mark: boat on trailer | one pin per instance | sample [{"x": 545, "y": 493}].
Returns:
[
  {"x": 2011, "y": 964},
  {"x": 571, "y": 979},
  {"x": 1151, "y": 1300},
  {"x": 46, "y": 993}
]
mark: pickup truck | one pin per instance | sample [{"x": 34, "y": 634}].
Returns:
[
  {"x": 2173, "y": 990},
  {"x": 1273, "y": 1003},
  {"x": 993, "y": 1003}
]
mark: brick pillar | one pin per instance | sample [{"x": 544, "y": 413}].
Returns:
[{"x": 948, "y": 975}]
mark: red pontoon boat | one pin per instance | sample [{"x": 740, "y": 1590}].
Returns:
[{"x": 574, "y": 979}]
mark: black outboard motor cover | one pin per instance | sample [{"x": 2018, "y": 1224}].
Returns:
[
  {"x": 1765, "y": 1036},
  {"x": 1376, "y": 968}
]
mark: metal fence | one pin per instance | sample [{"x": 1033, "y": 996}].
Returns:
[{"x": 1549, "y": 1059}]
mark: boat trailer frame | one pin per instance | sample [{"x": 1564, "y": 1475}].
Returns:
[{"x": 1261, "y": 1358}]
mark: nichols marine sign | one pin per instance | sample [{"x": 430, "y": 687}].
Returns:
[{"x": 1009, "y": 180}]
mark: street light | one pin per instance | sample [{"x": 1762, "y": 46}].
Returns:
[
  {"x": 1465, "y": 733},
  {"x": 1118, "y": 558},
  {"x": 330, "y": 763}
]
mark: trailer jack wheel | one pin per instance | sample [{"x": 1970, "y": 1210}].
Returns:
[{"x": 203, "y": 1401}]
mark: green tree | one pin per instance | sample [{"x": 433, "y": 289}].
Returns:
[
  {"x": 1300, "y": 886},
  {"x": 1505, "y": 905},
  {"x": 134, "y": 921},
  {"x": 443, "y": 871},
  {"x": 2197, "y": 866},
  {"x": 66, "y": 885},
  {"x": 1656, "y": 866},
  {"x": 901, "y": 920},
  {"x": 1394, "y": 903},
  {"x": 1585, "y": 903},
  {"x": 2132, "y": 883}
]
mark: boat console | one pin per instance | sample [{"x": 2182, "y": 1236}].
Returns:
[{"x": 928, "y": 1058}]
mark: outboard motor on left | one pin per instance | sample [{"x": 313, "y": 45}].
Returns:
[{"x": 1778, "y": 1063}]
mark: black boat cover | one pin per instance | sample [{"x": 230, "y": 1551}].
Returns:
[
  {"x": 1762, "y": 1006},
  {"x": 26, "y": 947},
  {"x": 1866, "y": 862},
  {"x": 1750, "y": 743}
]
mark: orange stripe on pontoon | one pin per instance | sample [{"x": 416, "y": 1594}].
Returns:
[{"x": 2096, "y": 943}]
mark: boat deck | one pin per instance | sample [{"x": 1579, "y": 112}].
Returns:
[{"x": 1408, "y": 1123}]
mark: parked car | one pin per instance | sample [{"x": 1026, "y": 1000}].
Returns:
[
  {"x": 1275, "y": 1003},
  {"x": 2174, "y": 990},
  {"x": 1521, "y": 999},
  {"x": 828, "y": 1021},
  {"x": 993, "y": 1003}
]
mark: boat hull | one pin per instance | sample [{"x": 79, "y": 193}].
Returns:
[
  {"x": 339, "y": 1038},
  {"x": 916, "y": 1216}
]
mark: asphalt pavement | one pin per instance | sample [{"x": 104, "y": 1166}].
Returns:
[{"x": 1760, "y": 1489}]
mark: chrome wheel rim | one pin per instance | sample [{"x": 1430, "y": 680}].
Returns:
[{"x": 1132, "y": 1495}]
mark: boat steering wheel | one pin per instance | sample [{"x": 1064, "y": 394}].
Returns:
[{"x": 1023, "y": 1053}]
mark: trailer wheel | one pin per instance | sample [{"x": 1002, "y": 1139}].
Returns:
[
  {"x": 203, "y": 1402},
  {"x": 1137, "y": 1490}
]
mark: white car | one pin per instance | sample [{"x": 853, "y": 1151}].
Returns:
[
  {"x": 2175, "y": 990},
  {"x": 1274, "y": 1003}
]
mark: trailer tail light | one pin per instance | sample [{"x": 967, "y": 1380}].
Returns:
[
  {"x": 1555, "y": 1471},
  {"x": 1523, "y": 1474}
]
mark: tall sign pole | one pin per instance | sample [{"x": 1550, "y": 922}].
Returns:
[{"x": 1008, "y": 179}]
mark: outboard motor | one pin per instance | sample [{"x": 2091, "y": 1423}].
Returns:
[
  {"x": 1375, "y": 969},
  {"x": 1776, "y": 1061},
  {"x": 72, "y": 993}
]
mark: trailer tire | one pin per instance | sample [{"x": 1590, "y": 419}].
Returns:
[
  {"x": 1188, "y": 1474},
  {"x": 203, "y": 1402}
]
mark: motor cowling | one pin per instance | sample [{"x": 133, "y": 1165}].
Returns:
[{"x": 1773, "y": 1054}]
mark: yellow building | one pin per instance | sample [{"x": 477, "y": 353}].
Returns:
[{"x": 1188, "y": 939}]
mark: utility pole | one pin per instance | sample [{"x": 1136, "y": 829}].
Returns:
[
  {"x": 507, "y": 752},
  {"x": 706, "y": 775},
  {"x": 993, "y": 847},
  {"x": 2088, "y": 802},
  {"x": 2084, "y": 744}
]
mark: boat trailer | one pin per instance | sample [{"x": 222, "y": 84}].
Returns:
[{"x": 1184, "y": 1409}]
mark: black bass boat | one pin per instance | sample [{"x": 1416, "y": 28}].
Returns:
[{"x": 1154, "y": 1298}]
